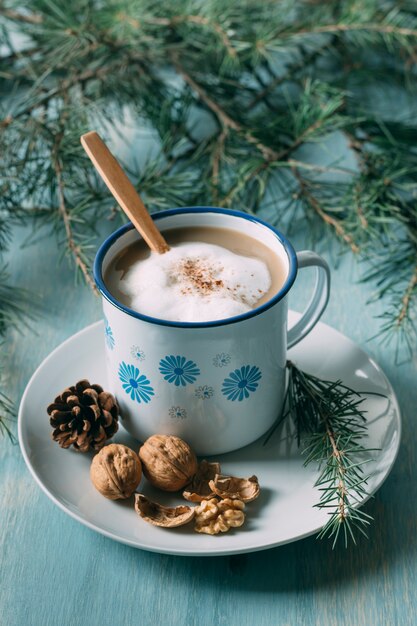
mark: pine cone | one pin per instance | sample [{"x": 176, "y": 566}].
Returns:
[{"x": 83, "y": 416}]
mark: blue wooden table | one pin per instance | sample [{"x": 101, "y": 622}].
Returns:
[{"x": 56, "y": 572}]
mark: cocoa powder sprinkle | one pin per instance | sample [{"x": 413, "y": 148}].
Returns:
[{"x": 200, "y": 277}]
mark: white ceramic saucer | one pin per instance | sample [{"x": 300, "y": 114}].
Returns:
[{"x": 284, "y": 511}]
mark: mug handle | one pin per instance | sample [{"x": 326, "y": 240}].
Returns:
[{"x": 318, "y": 301}]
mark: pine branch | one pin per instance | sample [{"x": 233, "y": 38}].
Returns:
[
  {"x": 200, "y": 20},
  {"x": 66, "y": 218},
  {"x": 224, "y": 118},
  {"x": 289, "y": 74},
  {"x": 216, "y": 158},
  {"x": 407, "y": 298},
  {"x": 61, "y": 89},
  {"x": 381, "y": 29},
  {"x": 301, "y": 131},
  {"x": 337, "y": 225},
  {"x": 18, "y": 16},
  {"x": 399, "y": 290},
  {"x": 331, "y": 426},
  {"x": 16, "y": 305},
  {"x": 7, "y": 412}
]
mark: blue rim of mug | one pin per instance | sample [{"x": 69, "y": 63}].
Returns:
[{"x": 107, "y": 244}]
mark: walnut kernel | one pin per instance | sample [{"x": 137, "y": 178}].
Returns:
[{"x": 213, "y": 516}]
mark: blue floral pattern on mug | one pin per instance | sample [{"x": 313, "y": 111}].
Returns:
[
  {"x": 108, "y": 333},
  {"x": 204, "y": 392},
  {"x": 137, "y": 353},
  {"x": 135, "y": 384},
  {"x": 222, "y": 359},
  {"x": 176, "y": 412},
  {"x": 177, "y": 370},
  {"x": 241, "y": 382}
]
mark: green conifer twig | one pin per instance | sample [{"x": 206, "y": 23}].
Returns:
[{"x": 330, "y": 428}]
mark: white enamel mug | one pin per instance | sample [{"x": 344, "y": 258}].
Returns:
[{"x": 218, "y": 385}]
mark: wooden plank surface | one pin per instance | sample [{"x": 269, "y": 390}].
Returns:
[{"x": 56, "y": 572}]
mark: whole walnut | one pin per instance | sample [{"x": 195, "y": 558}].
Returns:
[
  {"x": 168, "y": 462},
  {"x": 116, "y": 471}
]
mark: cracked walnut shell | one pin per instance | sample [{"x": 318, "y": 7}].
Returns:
[
  {"x": 159, "y": 515},
  {"x": 213, "y": 516},
  {"x": 116, "y": 471},
  {"x": 245, "y": 489},
  {"x": 168, "y": 462},
  {"x": 199, "y": 488}
]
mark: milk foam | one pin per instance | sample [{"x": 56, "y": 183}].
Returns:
[{"x": 195, "y": 282}]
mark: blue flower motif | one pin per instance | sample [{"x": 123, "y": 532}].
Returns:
[
  {"x": 108, "y": 333},
  {"x": 137, "y": 353},
  {"x": 177, "y": 370},
  {"x": 176, "y": 412},
  {"x": 241, "y": 382},
  {"x": 136, "y": 385},
  {"x": 222, "y": 359},
  {"x": 204, "y": 392}
]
